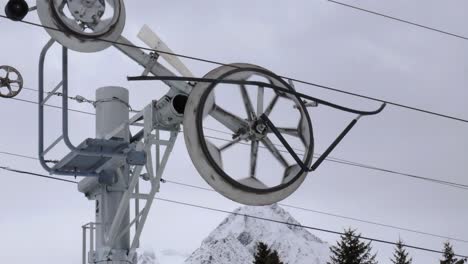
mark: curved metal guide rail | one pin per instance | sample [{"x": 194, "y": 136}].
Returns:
[{"x": 256, "y": 129}]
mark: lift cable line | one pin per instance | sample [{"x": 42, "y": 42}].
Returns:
[
  {"x": 52, "y": 106},
  {"x": 382, "y": 241},
  {"x": 330, "y": 159},
  {"x": 304, "y": 226},
  {"x": 81, "y": 99},
  {"x": 36, "y": 174},
  {"x": 18, "y": 155},
  {"x": 331, "y": 214},
  {"x": 285, "y": 77},
  {"x": 360, "y": 165},
  {"x": 285, "y": 205},
  {"x": 282, "y": 204},
  {"x": 399, "y": 20}
]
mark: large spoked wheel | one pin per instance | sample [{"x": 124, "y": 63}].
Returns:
[
  {"x": 232, "y": 148},
  {"x": 11, "y": 82},
  {"x": 83, "y": 25}
]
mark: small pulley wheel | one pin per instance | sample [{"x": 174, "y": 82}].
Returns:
[
  {"x": 11, "y": 82},
  {"x": 230, "y": 145},
  {"x": 83, "y": 25}
]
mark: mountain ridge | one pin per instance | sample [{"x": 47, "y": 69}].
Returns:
[{"x": 234, "y": 240}]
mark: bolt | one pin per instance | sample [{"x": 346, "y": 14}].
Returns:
[{"x": 260, "y": 128}]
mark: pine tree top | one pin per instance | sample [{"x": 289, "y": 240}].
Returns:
[
  {"x": 448, "y": 255},
  {"x": 400, "y": 256},
  {"x": 264, "y": 255},
  {"x": 351, "y": 250}
]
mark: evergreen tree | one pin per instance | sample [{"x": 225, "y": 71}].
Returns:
[
  {"x": 400, "y": 255},
  {"x": 262, "y": 253},
  {"x": 449, "y": 255},
  {"x": 265, "y": 255},
  {"x": 351, "y": 250}
]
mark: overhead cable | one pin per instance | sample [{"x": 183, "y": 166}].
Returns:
[
  {"x": 399, "y": 20},
  {"x": 281, "y": 204},
  {"x": 305, "y": 226},
  {"x": 382, "y": 241},
  {"x": 333, "y": 160},
  {"x": 285, "y": 77},
  {"x": 331, "y": 214}
]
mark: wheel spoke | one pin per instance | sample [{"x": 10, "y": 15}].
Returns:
[
  {"x": 10, "y": 92},
  {"x": 253, "y": 182},
  {"x": 260, "y": 98},
  {"x": 230, "y": 144},
  {"x": 289, "y": 131},
  {"x": 271, "y": 105},
  {"x": 215, "y": 153},
  {"x": 253, "y": 157},
  {"x": 276, "y": 153},
  {"x": 229, "y": 120},
  {"x": 290, "y": 172},
  {"x": 7, "y": 73},
  {"x": 248, "y": 104},
  {"x": 9, "y": 87}
]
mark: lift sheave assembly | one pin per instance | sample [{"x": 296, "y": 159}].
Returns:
[
  {"x": 94, "y": 25},
  {"x": 279, "y": 157}
]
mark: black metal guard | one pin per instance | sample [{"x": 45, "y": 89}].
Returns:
[
  {"x": 263, "y": 84},
  {"x": 294, "y": 155},
  {"x": 268, "y": 122}
]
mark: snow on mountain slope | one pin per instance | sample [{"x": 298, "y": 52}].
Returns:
[
  {"x": 234, "y": 240},
  {"x": 225, "y": 250},
  {"x": 146, "y": 257}
]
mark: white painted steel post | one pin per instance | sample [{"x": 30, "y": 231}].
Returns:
[{"x": 111, "y": 112}]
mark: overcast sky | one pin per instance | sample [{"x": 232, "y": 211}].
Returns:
[{"x": 312, "y": 40}]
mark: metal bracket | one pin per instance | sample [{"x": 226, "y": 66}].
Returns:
[
  {"x": 150, "y": 138},
  {"x": 152, "y": 61}
]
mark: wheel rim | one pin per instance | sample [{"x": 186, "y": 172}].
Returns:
[
  {"x": 11, "y": 82},
  {"x": 254, "y": 132},
  {"x": 83, "y": 25},
  {"x": 86, "y": 14}
]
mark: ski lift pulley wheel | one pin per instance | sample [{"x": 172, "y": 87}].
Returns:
[
  {"x": 83, "y": 25},
  {"x": 11, "y": 82},
  {"x": 249, "y": 185}
]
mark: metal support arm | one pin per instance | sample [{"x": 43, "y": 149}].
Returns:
[{"x": 324, "y": 155}]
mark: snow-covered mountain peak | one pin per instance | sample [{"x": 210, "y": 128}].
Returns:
[
  {"x": 225, "y": 250},
  {"x": 237, "y": 236}
]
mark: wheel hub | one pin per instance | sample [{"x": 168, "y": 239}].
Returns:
[
  {"x": 87, "y": 11},
  {"x": 256, "y": 130}
]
